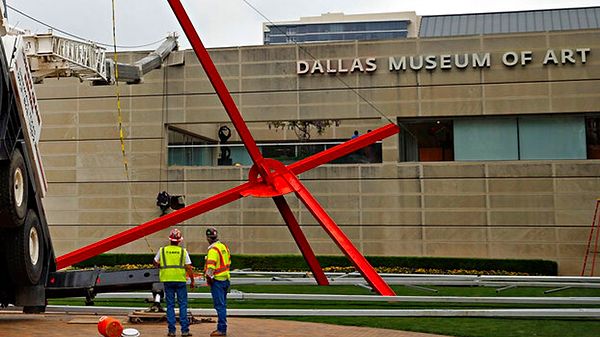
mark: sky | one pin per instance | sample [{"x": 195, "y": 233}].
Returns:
[{"x": 226, "y": 23}]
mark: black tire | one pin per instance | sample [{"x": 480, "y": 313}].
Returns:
[
  {"x": 26, "y": 252},
  {"x": 14, "y": 191}
]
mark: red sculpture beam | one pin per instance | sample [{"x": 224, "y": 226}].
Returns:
[
  {"x": 301, "y": 241},
  {"x": 218, "y": 84},
  {"x": 345, "y": 245},
  {"x": 150, "y": 227}
]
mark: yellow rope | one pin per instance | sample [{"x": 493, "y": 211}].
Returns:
[
  {"x": 118, "y": 91},
  {"x": 119, "y": 111}
]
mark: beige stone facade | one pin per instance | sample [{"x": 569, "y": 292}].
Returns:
[{"x": 497, "y": 209}]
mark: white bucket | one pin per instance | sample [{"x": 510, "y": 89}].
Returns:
[{"x": 130, "y": 333}]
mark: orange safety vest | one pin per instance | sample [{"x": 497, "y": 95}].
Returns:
[{"x": 219, "y": 259}]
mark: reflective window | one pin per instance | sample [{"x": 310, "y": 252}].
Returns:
[
  {"x": 203, "y": 154},
  {"x": 337, "y": 31},
  {"x": 552, "y": 138},
  {"x": 500, "y": 138},
  {"x": 592, "y": 133},
  {"x": 428, "y": 140},
  {"x": 186, "y": 149},
  {"x": 292, "y": 152},
  {"x": 486, "y": 139}
]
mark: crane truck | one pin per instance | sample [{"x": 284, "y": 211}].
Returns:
[{"x": 26, "y": 250}]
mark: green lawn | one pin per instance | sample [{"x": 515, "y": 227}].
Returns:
[
  {"x": 472, "y": 327},
  {"x": 468, "y": 327}
]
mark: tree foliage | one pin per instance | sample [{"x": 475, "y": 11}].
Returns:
[{"x": 303, "y": 128}]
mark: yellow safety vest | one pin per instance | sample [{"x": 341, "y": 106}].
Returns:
[
  {"x": 219, "y": 259},
  {"x": 172, "y": 264}
]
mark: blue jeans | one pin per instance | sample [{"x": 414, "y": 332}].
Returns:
[
  {"x": 218, "y": 290},
  {"x": 179, "y": 288}
]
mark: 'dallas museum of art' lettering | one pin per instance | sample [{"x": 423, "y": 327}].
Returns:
[{"x": 446, "y": 61}]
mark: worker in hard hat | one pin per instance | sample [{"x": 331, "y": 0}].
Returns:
[
  {"x": 216, "y": 271},
  {"x": 174, "y": 263}
]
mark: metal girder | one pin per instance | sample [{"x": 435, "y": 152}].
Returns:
[
  {"x": 533, "y": 312},
  {"x": 267, "y": 178},
  {"x": 237, "y": 295}
]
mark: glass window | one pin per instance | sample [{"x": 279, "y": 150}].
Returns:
[
  {"x": 288, "y": 154},
  {"x": 188, "y": 150},
  {"x": 592, "y": 127},
  {"x": 486, "y": 139},
  {"x": 238, "y": 156},
  {"x": 278, "y": 39},
  {"x": 367, "y": 155},
  {"x": 500, "y": 138},
  {"x": 356, "y": 27},
  {"x": 552, "y": 138},
  {"x": 315, "y": 28},
  {"x": 282, "y": 153},
  {"x": 408, "y": 144},
  {"x": 336, "y": 27},
  {"x": 429, "y": 140},
  {"x": 337, "y": 32}
]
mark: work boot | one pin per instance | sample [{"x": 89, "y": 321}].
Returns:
[
  {"x": 217, "y": 333},
  {"x": 171, "y": 334},
  {"x": 186, "y": 334}
]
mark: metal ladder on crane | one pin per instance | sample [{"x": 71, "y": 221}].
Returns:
[
  {"x": 592, "y": 248},
  {"x": 56, "y": 56}
]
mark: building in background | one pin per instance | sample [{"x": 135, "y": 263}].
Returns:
[
  {"x": 542, "y": 20},
  {"x": 499, "y": 153},
  {"x": 340, "y": 27}
]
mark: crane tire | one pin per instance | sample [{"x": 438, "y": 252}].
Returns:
[
  {"x": 14, "y": 191},
  {"x": 25, "y": 252}
]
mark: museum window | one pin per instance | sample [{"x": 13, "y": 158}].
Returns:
[
  {"x": 426, "y": 140},
  {"x": 500, "y": 138},
  {"x": 188, "y": 150},
  {"x": 336, "y": 32},
  {"x": 592, "y": 131},
  {"x": 290, "y": 152}
]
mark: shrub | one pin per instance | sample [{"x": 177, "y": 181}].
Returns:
[{"x": 385, "y": 264}]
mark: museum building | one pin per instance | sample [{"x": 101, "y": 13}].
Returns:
[{"x": 498, "y": 153}]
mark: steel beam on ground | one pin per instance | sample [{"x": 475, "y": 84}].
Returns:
[
  {"x": 376, "y": 298},
  {"x": 435, "y": 277},
  {"x": 403, "y": 282},
  {"x": 545, "y": 313}
]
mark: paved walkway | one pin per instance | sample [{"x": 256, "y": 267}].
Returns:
[{"x": 14, "y": 324}]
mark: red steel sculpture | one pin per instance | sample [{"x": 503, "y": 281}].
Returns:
[{"x": 268, "y": 178}]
